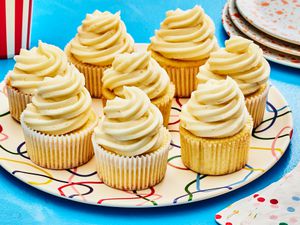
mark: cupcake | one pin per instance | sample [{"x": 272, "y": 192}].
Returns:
[
  {"x": 140, "y": 70},
  {"x": 215, "y": 129},
  {"x": 59, "y": 122},
  {"x": 243, "y": 61},
  {"x": 31, "y": 67},
  {"x": 131, "y": 144},
  {"x": 100, "y": 38},
  {"x": 182, "y": 44}
]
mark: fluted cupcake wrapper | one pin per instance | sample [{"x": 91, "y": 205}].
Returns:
[
  {"x": 132, "y": 173},
  {"x": 163, "y": 103},
  {"x": 17, "y": 101},
  {"x": 92, "y": 73},
  {"x": 256, "y": 105},
  {"x": 182, "y": 73},
  {"x": 213, "y": 156},
  {"x": 184, "y": 79},
  {"x": 59, "y": 151}
]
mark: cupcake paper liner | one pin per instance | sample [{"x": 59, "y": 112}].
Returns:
[
  {"x": 163, "y": 103},
  {"x": 213, "y": 156},
  {"x": 17, "y": 101},
  {"x": 59, "y": 151},
  {"x": 181, "y": 73},
  {"x": 92, "y": 73},
  {"x": 132, "y": 173},
  {"x": 184, "y": 79},
  {"x": 256, "y": 104}
]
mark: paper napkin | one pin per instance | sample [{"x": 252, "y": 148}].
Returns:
[{"x": 279, "y": 204}]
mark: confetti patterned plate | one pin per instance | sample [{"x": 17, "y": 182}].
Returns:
[
  {"x": 180, "y": 185},
  {"x": 259, "y": 36},
  {"x": 270, "y": 54},
  {"x": 280, "y": 19}
]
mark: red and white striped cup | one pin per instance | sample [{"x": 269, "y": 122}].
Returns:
[{"x": 15, "y": 26}]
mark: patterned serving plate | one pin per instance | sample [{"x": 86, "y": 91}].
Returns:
[
  {"x": 280, "y": 19},
  {"x": 259, "y": 36},
  {"x": 180, "y": 186},
  {"x": 270, "y": 54}
]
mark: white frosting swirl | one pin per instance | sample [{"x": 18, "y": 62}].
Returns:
[
  {"x": 33, "y": 65},
  {"x": 242, "y": 60},
  {"x": 100, "y": 38},
  {"x": 135, "y": 69},
  {"x": 216, "y": 109},
  {"x": 185, "y": 35},
  {"x": 60, "y": 105},
  {"x": 131, "y": 126}
]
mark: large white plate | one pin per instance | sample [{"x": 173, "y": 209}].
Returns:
[
  {"x": 270, "y": 54},
  {"x": 280, "y": 19},
  {"x": 258, "y": 35},
  {"x": 180, "y": 185}
]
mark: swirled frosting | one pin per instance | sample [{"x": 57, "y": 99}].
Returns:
[
  {"x": 242, "y": 60},
  {"x": 60, "y": 105},
  {"x": 100, "y": 38},
  {"x": 185, "y": 35},
  {"x": 131, "y": 125},
  {"x": 216, "y": 110},
  {"x": 33, "y": 65},
  {"x": 136, "y": 69}
]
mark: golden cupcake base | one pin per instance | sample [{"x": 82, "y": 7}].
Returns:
[
  {"x": 92, "y": 73},
  {"x": 256, "y": 104},
  {"x": 163, "y": 103},
  {"x": 132, "y": 173},
  {"x": 17, "y": 101},
  {"x": 216, "y": 156},
  {"x": 60, "y": 151}
]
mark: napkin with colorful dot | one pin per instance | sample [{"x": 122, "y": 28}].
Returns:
[{"x": 277, "y": 204}]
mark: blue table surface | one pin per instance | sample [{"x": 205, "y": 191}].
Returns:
[{"x": 55, "y": 22}]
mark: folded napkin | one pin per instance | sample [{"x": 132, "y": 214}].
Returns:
[{"x": 279, "y": 204}]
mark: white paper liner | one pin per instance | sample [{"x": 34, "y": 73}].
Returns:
[
  {"x": 256, "y": 106},
  {"x": 59, "y": 151},
  {"x": 164, "y": 104},
  {"x": 184, "y": 79},
  {"x": 132, "y": 173},
  {"x": 213, "y": 156},
  {"x": 17, "y": 101}
]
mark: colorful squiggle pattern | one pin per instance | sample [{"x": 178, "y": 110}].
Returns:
[{"x": 180, "y": 185}]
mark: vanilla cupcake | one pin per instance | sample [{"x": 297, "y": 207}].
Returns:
[
  {"x": 215, "y": 129},
  {"x": 31, "y": 67},
  {"x": 182, "y": 44},
  {"x": 100, "y": 38},
  {"x": 140, "y": 70},
  {"x": 59, "y": 122},
  {"x": 131, "y": 144},
  {"x": 243, "y": 61}
]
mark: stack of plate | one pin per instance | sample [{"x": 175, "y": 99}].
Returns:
[{"x": 274, "y": 25}]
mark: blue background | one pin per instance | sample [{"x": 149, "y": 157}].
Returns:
[{"x": 55, "y": 22}]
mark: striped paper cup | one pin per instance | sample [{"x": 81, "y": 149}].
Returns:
[{"x": 15, "y": 26}]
